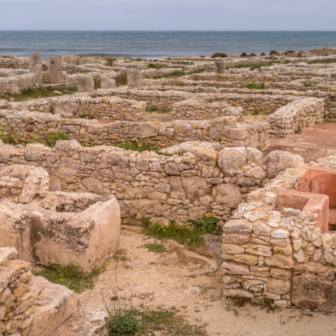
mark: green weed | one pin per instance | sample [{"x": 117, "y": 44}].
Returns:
[
  {"x": 52, "y": 139},
  {"x": 253, "y": 85},
  {"x": 330, "y": 121},
  {"x": 70, "y": 276},
  {"x": 206, "y": 225},
  {"x": 185, "y": 234},
  {"x": 42, "y": 92},
  {"x": 155, "y": 247}
]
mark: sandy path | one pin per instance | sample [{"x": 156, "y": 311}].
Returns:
[{"x": 153, "y": 284}]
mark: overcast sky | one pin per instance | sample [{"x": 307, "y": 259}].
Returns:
[{"x": 168, "y": 14}]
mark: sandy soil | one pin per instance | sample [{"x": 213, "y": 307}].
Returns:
[{"x": 173, "y": 280}]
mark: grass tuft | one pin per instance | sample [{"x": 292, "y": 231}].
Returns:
[
  {"x": 42, "y": 92},
  {"x": 52, "y": 139},
  {"x": 253, "y": 85},
  {"x": 155, "y": 247},
  {"x": 156, "y": 109},
  {"x": 70, "y": 276}
]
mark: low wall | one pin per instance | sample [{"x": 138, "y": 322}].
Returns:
[
  {"x": 197, "y": 109},
  {"x": 172, "y": 187},
  {"x": 280, "y": 256},
  {"x": 25, "y": 126},
  {"x": 296, "y": 116},
  {"x": 13, "y": 62},
  {"x": 154, "y": 98},
  {"x": 83, "y": 106},
  {"x": 112, "y": 108},
  {"x": 17, "y": 303},
  {"x": 16, "y": 84}
]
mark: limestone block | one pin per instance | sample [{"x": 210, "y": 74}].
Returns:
[
  {"x": 55, "y": 69},
  {"x": 55, "y": 304},
  {"x": 239, "y": 226},
  {"x": 227, "y": 195},
  {"x": 278, "y": 286},
  {"x": 107, "y": 82},
  {"x": 35, "y": 66},
  {"x": 235, "y": 269},
  {"x": 85, "y": 83},
  {"x": 134, "y": 78},
  {"x": 220, "y": 67},
  {"x": 241, "y": 258},
  {"x": 278, "y": 161}
]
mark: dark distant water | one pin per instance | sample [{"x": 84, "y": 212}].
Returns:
[{"x": 157, "y": 44}]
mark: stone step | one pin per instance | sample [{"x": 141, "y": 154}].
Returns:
[
  {"x": 54, "y": 305},
  {"x": 86, "y": 322}
]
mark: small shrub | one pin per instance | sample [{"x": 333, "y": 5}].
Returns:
[
  {"x": 219, "y": 55},
  {"x": 52, "y": 139},
  {"x": 207, "y": 225},
  {"x": 255, "y": 112},
  {"x": 70, "y": 276}
]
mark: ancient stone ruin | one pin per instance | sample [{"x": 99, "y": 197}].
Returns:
[{"x": 230, "y": 138}]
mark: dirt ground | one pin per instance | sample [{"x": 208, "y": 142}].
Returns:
[{"x": 172, "y": 280}]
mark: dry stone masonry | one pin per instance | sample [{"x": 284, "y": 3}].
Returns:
[{"x": 207, "y": 119}]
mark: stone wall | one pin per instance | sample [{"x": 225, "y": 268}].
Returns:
[
  {"x": 173, "y": 187},
  {"x": 30, "y": 305},
  {"x": 197, "y": 109},
  {"x": 296, "y": 116},
  {"x": 279, "y": 254},
  {"x": 16, "y": 84},
  {"x": 17, "y": 304},
  {"x": 35, "y": 126},
  {"x": 13, "y": 62}
]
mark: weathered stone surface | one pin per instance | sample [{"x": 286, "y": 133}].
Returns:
[
  {"x": 237, "y": 293},
  {"x": 313, "y": 289},
  {"x": 55, "y": 69},
  {"x": 278, "y": 161},
  {"x": 260, "y": 250},
  {"x": 235, "y": 239},
  {"x": 238, "y": 227},
  {"x": 241, "y": 258},
  {"x": 232, "y": 249},
  {"x": 227, "y": 194},
  {"x": 281, "y": 273},
  {"x": 278, "y": 286},
  {"x": 280, "y": 261},
  {"x": 235, "y": 269}
]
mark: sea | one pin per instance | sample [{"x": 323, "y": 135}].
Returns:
[{"x": 157, "y": 44}]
